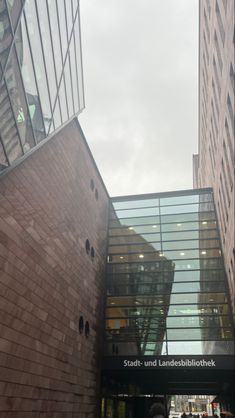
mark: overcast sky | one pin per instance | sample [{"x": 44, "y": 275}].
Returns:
[{"x": 140, "y": 60}]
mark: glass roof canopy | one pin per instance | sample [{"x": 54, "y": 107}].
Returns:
[
  {"x": 41, "y": 76},
  {"x": 166, "y": 285}
]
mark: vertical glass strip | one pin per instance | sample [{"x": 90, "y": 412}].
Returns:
[
  {"x": 8, "y": 127},
  {"x": 18, "y": 101},
  {"x": 79, "y": 61},
  {"x": 74, "y": 75},
  {"x": 3, "y": 156},
  {"x": 25, "y": 60},
  {"x": 36, "y": 48},
  {"x": 6, "y": 36},
  {"x": 48, "y": 54},
  {"x": 14, "y": 7}
]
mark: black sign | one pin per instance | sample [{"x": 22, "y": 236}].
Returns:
[{"x": 169, "y": 362}]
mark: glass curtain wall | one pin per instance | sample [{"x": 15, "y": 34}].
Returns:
[
  {"x": 166, "y": 285},
  {"x": 41, "y": 76}
]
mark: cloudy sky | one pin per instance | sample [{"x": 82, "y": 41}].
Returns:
[{"x": 140, "y": 73}]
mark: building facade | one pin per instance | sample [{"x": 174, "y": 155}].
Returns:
[
  {"x": 41, "y": 78},
  {"x": 166, "y": 285},
  {"x": 167, "y": 301},
  {"x": 215, "y": 164},
  {"x": 53, "y": 223}
]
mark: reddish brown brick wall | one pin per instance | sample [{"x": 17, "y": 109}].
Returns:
[{"x": 47, "y": 281}]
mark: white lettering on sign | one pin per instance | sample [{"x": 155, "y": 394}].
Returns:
[{"x": 169, "y": 363}]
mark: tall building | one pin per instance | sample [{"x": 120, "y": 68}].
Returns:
[
  {"x": 215, "y": 164},
  {"x": 41, "y": 81}
]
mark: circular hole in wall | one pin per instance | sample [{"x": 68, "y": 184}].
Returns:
[
  {"x": 87, "y": 329},
  {"x": 81, "y": 324},
  {"x": 92, "y": 252},
  {"x": 87, "y": 245},
  {"x": 96, "y": 194},
  {"x": 92, "y": 184}
]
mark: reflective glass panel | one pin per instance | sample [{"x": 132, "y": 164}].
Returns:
[
  {"x": 153, "y": 220},
  {"x": 127, "y": 213},
  {"x": 14, "y": 7},
  {"x": 24, "y": 57},
  {"x": 79, "y": 61},
  {"x": 9, "y": 133},
  {"x": 36, "y": 48},
  {"x": 48, "y": 53},
  {"x": 6, "y": 37},
  {"x": 131, "y": 204},
  {"x": 18, "y": 102}
]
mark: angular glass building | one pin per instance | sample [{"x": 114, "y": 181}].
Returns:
[
  {"x": 41, "y": 77},
  {"x": 167, "y": 289}
]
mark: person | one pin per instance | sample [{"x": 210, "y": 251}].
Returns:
[
  {"x": 157, "y": 410},
  {"x": 184, "y": 415}
]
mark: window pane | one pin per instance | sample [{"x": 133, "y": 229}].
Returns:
[
  {"x": 197, "y": 347},
  {"x": 5, "y": 36},
  {"x": 36, "y": 48},
  {"x": 153, "y": 220},
  {"x": 187, "y": 217},
  {"x": 131, "y": 204},
  {"x": 24, "y": 56},
  {"x": 132, "y": 248},
  {"x": 62, "y": 28},
  {"x": 179, "y": 209},
  {"x": 134, "y": 239},
  {"x": 74, "y": 76},
  {"x": 68, "y": 86},
  {"x": 48, "y": 52},
  {"x": 55, "y": 37},
  {"x": 177, "y": 200},
  {"x": 199, "y": 334},
  {"x": 63, "y": 101},
  {"x": 3, "y": 160},
  {"x": 79, "y": 61},
  {"x": 8, "y": 129},
  {"x": 184, "y": 226},
  {"x": 193, "y": 298},
  {"x": 20, "y": 107},
  {"x": 186, "y": 244},
  {"x": 15, "y": 8},
  {"x": 127, "y": 213}
]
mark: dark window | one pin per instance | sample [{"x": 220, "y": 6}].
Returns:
[
  {"x": 81, "y": 324},
  {"x": 87, "y": 246}
]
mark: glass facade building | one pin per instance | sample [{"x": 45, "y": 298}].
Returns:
[
  {"x": 41, "y": 77},
  {"x": 166, "y": 285}
]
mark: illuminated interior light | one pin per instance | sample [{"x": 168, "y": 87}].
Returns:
[
  {"x": 112, "y": 303},
  {"x": 204, "y": 223},
  {"x": 182, "y": 253},
  {"x": 203, "y": 252},
  {"x": 211, "y": 300},
  {"x": 130, "y": 228},
  {"x": 179, "y": 224},
  {"x": 160, "y": 254},
  {"x": 141, "y": 255},
  {"x": 154, "y": 226},
  {"x": 121, "y": 257}
]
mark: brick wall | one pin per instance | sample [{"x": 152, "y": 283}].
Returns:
[{"x": 48, "y": 281}]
